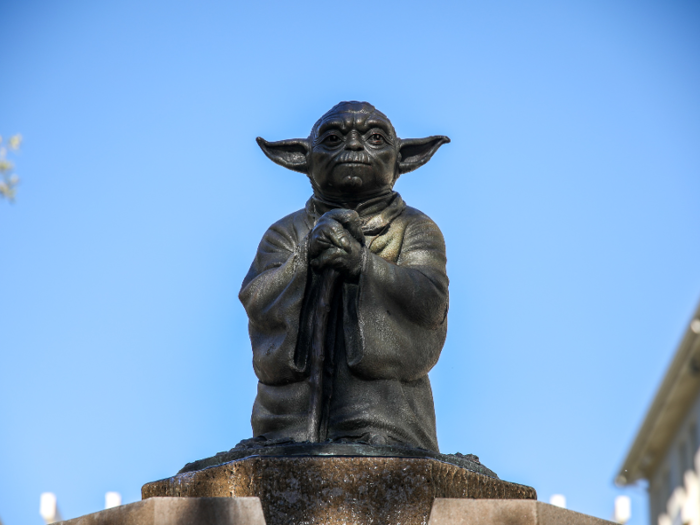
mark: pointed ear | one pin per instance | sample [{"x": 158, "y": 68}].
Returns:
[
  {"x": 289, "y": 153},
  {"x": 416, "y": 152}
]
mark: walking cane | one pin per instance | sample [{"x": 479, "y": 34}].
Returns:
[{"x": 318, "y": 344}]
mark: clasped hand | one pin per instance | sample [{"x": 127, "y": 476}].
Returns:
[{"x": 336, "y": 242}]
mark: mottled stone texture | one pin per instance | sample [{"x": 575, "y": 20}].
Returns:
[
  {"x": 339, "y": 490},
  {"x": 495, "y": 512},
  {"x": 179, "y": 511}
]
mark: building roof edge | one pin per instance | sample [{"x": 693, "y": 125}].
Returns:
[{"x": 677, "y": 391}]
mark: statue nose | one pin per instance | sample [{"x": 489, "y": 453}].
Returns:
[{"x": 353, "y": 143}]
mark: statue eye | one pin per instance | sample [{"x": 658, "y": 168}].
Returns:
[
  {"x": 332, "y": 140},
  {"x": 376, "y": 138}
]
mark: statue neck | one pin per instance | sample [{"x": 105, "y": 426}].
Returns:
[{"x": 351, "y": 202}]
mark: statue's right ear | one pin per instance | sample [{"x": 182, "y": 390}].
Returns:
[{"x": 291, "y": 153}]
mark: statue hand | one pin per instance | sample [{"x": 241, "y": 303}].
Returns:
[
  {"x": 350, "y": 221},
  {"x": 335, "y": 244}
]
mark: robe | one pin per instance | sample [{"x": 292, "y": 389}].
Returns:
[{"x": 386, "y": 329}]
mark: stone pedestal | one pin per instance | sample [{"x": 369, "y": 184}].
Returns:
[
  {"x": 178, "y": 511},
  {"x": 339, "y": 490},
  {"x": 248, "y": 511},
  {"x": 512, "y": 512}
]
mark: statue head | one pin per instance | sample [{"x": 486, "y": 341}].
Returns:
[{"x": 352, "y": 153}]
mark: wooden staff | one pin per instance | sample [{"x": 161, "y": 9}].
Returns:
[{"x": 318, "y": 351}]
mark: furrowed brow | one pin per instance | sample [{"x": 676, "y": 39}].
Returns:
[
  {"x": 334, "y": 123},
  {"x": 374, "y": 122}
]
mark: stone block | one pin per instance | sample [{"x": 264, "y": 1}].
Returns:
[
  {"x": 339, "y": 490},
  {"x": 179, "y": 511},
  {"x": 505, "y": 512}
]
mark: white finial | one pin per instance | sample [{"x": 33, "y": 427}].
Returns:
[
  {"x": 48, "y": 508},
  {"x": 558, "y": 500},
  {"x": 623, "y": 509},
  {"x": 112, "y": 499}
]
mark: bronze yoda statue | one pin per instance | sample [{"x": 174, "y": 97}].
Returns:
[{"x": 347, "y": 298}]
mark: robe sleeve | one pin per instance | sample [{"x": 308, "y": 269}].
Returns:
[
  {"x": 401, "y": 309},
  {"x": 272, "y": 295}
]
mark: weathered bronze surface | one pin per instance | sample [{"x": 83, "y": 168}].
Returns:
[
  {"x": 335, "y": 490},
  {"x": 347, "y": 303},
  {"x": 347, "y": 298}
]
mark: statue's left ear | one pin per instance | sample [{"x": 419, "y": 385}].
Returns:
[
  {"x": 291, "y": 153},
  {"x": 416, "y": 152}
]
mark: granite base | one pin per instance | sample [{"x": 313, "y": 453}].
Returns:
[
  {"x": 248, "y": 511},
  {"x": 512, "y": 512},
  {"x": 178, "y": 511},
  {"x": 339, "y": 490}
]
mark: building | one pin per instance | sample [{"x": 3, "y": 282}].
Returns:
[{"x": 665, "y": 451}]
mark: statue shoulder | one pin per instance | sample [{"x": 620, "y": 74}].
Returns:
[
  {"x": 288, "y": 231},
  {"x": 292, "y": 220},
  {"x": 420, "y": 232},
  {"x": 416, "y": 219}
]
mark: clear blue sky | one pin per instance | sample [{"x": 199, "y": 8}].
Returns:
[{"x": 569, "y": 199}]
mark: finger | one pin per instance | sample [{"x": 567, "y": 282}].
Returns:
[
  {"x": 322, "y": 231},
  {"x": 317, "y": 246},
  {"x": 343, "y": 240},
  {"x": 327, "y": 228},
  {"x": 336, "y": 235},
  {"x": 325, "y": 221},
  {"x": 328, "y": 257},
  {"x": 350, "y": 220},
  {"x": 355, "y": 229}
]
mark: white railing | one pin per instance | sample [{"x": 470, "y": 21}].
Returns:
[
  {"x": 622, "y": 510},
  {"x": 48, "y": 507},
  {"x": 683, "y": 507}
]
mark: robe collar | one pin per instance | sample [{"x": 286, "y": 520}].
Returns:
[{"x": 376, "y": 214}]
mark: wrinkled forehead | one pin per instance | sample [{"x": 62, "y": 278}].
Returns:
[{"x": 359, "y": 117}]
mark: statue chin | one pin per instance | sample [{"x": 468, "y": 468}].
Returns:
[
  {"x": 351, "y": 177},
  {"x": 351, "y": 182}
]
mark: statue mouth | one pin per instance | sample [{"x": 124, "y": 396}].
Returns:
[
  {"x": 354, "y": 163},
  {"x": 359, "y": 158}
]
